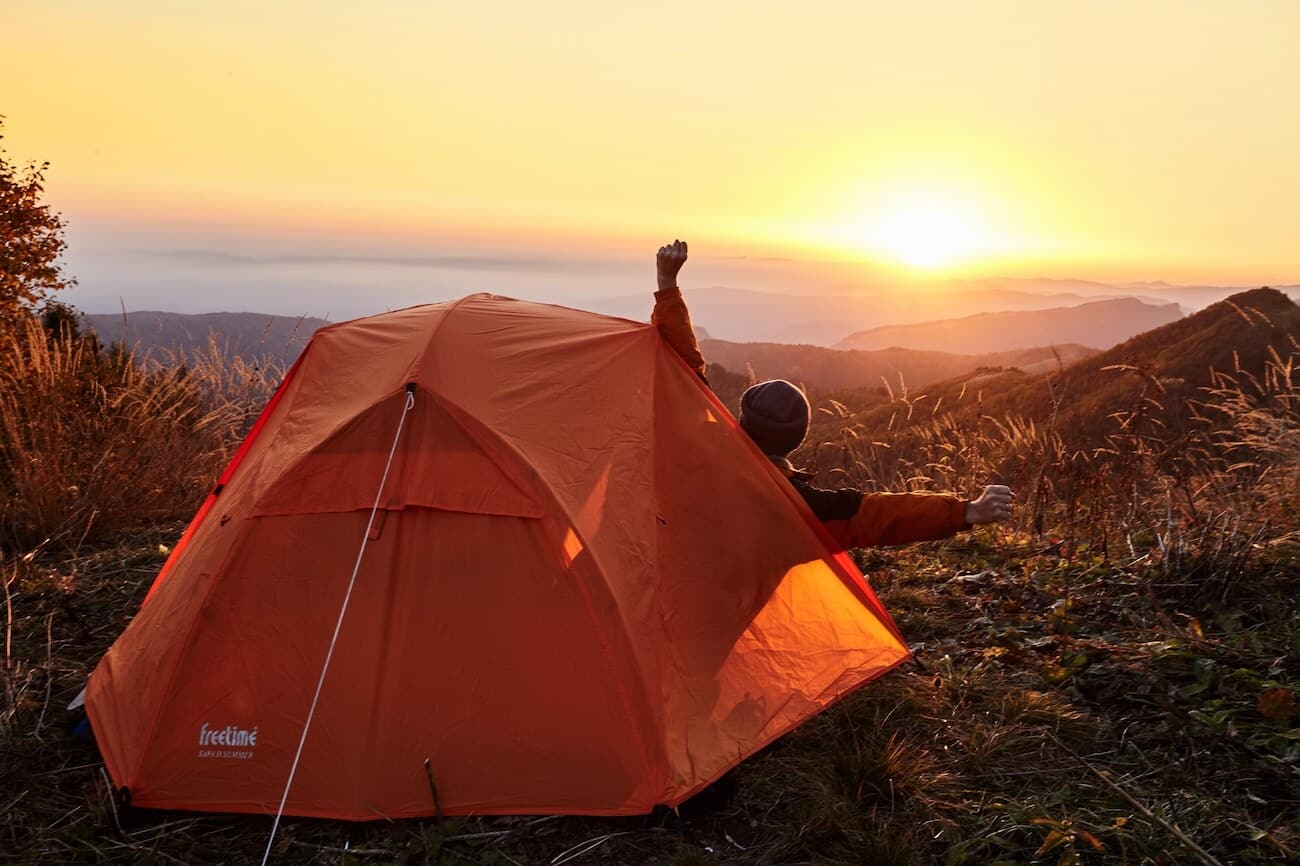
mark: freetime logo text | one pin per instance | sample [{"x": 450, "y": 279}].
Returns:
[{"x": 227, "y": 742}]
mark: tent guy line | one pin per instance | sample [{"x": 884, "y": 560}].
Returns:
[{"x": 338, "y": 625}]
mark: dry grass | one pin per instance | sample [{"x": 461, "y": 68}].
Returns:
[
  {"x": 1133, "y": 638},
  {"x": 1195, "y": 482},
  {"x": 95, "y": 443}
]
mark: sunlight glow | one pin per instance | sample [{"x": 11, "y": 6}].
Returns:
[
  {"x": 926, "y": 230},
  {"x": 412, "y": 124}
]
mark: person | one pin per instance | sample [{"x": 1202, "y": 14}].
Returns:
[{"x": 776, "y": 415}]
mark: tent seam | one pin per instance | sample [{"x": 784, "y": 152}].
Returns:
[
  {"x": 559, "y": 506},
  {"x": 418, "y": 363},
  {"x": 661, "y": 663}
]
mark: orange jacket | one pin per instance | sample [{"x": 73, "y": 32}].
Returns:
[
  {"x": 858, "y": 519},
  {"x": 853, "y": 517},
  {"x": 674, "y": 321}
]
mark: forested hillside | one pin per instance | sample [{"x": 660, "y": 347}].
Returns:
[{"x": 248, "y": 335}]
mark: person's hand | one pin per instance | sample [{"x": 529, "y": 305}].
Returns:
[
  {"x": 993, "y": 505},
  {"x": 668, "y": 262}
]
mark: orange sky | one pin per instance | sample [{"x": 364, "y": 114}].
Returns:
[{"x": 1109, "y": 140}]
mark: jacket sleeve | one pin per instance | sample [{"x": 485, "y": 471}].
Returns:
[
  {"x": 674, "y": 321},
  {"x": 884, "y": 519}
]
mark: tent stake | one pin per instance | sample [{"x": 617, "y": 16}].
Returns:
[{"x": 433, "y": 789}]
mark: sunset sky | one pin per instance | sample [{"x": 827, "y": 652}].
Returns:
[{"x": 1107, "y": 140}]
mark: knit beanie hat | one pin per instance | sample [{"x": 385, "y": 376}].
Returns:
[{"x": 775, "y": 414}]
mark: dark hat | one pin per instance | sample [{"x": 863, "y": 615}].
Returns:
[{"x": 775, "y": 414}]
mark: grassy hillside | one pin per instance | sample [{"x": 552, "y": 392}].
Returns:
[
  {"x": 1053, "y": 691},
  {"x": 1154, "y": 375}
]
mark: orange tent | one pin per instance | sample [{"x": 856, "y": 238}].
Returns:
[{"x": 582, "y": 589}]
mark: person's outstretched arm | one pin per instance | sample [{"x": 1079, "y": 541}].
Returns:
[
  {"x": 670, "y": 314},
  {"x": 884, "y": 519}
]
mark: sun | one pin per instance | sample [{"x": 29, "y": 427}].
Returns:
[
  {"x": 921, "y": 230},
  {"x": 927, "y": 235}
]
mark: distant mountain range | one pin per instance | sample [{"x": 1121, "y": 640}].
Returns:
[
  {"x": 1098, "y": 324},
  {"x": 280, "y": 339},
  {"x": 1063, "y": 337},
  {"x": 251, "y": 335},
  {"x": 1195, "y": 297},
  {"x": 742, "y": 315},
  {"x": 824, "y": 368}
]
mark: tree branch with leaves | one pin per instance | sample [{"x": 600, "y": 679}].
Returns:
[{"x": 31, "y": 239}]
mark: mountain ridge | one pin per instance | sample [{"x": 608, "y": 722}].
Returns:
[
  {"x": 830, "y": 369},
  {"x": 1156, "y": 372},
  {"x": 253, "y": 335},
  {"x": 748, "y": 315},
  {"x": 1099, "y": 324}
]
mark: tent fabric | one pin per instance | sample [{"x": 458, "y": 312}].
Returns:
[{"x": 585, "y": 590}]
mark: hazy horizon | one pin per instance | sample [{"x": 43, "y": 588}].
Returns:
[{"x": 312, "y": 279}]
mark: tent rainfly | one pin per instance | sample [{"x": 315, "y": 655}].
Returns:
[{"x": 573, "y": 586}]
